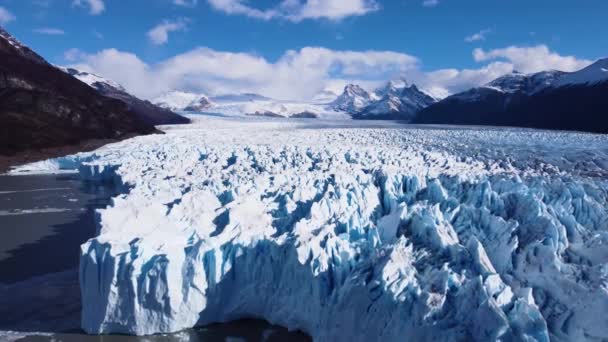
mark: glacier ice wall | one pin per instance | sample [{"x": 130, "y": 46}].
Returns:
[{"x": 352, "y": 234}]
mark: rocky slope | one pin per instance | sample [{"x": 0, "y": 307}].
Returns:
[
  {"x": 551, "y": 100},
  {"x": 145, "y": 110},
  {"x": 42, "y": 107}
]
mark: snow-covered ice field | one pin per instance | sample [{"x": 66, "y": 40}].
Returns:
[{"x": 351, "y": 233}]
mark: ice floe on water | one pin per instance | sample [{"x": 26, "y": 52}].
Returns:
[{"x": 351, "y": 233}]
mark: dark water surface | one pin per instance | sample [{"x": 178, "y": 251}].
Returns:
[{"x": 43, "y": 221}]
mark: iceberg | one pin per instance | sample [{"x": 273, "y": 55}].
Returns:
[{"x": 351, "y": 234}]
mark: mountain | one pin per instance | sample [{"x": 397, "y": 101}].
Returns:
[
  {"x": 395, "y": 101},
  {"x": 183, "y": 101},
  {"x": 352, "y": 100},
  {"x": 549, "y": 100},
  {"x": 145, "y": 110},
  {"x": 175, "y": 100},
  {"x": 392, "y": 87},
  {"x": 246, "y": 104},
  {"x": 42, "y": 107},
  {"x": 596, "y": 73},
  {"x": 526, "y": 83}
]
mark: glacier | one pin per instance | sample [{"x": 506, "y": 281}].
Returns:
[{"x": 349, "y": 232}]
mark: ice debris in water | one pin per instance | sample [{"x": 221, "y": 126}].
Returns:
[{"x": 352, "y": 234}]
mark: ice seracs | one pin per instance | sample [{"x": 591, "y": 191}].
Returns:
[{"x": 351, "y": 234}]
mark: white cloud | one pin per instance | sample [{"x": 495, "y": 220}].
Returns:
[
  {"x": 50, "y": 31},
  {"x": 532, "y": 59},
  {"x": 430, "y": 3},
  {"x": 185, "y": 3},
  {"x": 444, "y": 82},
  {"x": 479, "y": 36},
  {"x": 6, "y": 16},
  {"x": 74, "y": 55},
  {"x": 296, "y": 75},
  {"x": 298, "y": 10},
  {"x": 300, "y": 74},
  {"x": 159, "y": 34},
  {"x": 95, "y": 6}
]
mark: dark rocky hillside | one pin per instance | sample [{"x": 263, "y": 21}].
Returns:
[
  {"x": 145, "y": 110},
  {"x": 43, "y": 107},
  {"x": 577, "y": 107}
]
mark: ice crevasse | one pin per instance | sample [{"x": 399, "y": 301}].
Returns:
[{"x": 346, "y": 238}]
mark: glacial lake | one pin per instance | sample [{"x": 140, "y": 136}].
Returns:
[{"x": 43, "y": 221}]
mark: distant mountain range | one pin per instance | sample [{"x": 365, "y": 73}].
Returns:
[
  {"x": 549, "y": 99},
  {"x": 245, "y": 104},
  {"x": 396, "y": 100}
]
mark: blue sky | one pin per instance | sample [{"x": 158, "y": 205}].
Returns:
[{"x": 431, "y": 42}]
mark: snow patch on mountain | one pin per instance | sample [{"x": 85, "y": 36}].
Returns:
[
  {"x": 396, "y": 100},
  {"x": 593, "y": 74},
  {"x": 351, "y": 234},
  {"x": 353, "y": 99},
  {"x": 177, "y": 100},
  {"x": 528, "y": 84},
  {"x": 93, "y": 80}
]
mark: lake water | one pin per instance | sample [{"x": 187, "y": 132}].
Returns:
[{"x": 43, "y": 221}]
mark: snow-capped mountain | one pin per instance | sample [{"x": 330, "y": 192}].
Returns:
[
  {"x": 93, "y": 80},
  {"x": 392, "y": 87},
  {"x": 400, "y": 101},
  {"x": 593, "y": 74},
  {"x": 549, "y": 99},
  {"x": 396, "y": 100},
  {"x": 526, "y": 83},
  {"x": 145, "y": 110},
  {"x": 353, "y": 99},
  {"x": 199, "y": 104},
  {"x": 179, "y": 100}
]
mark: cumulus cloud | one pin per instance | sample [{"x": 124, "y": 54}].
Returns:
[
  {"x": 300, "y": 74},
  {"x": 479, "y": 36},
  {"x": 51, "y": 31},
  {"x": 298, "y": 10},
  {"x": 443, "y": 82},
  {"x": 6, "y": 16},
  {"x": 430, "y": 3},
  {"x": 532, "y": 59},
  {"x": 95, "y": 6},
  {"x": 159, "y": 34}
]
